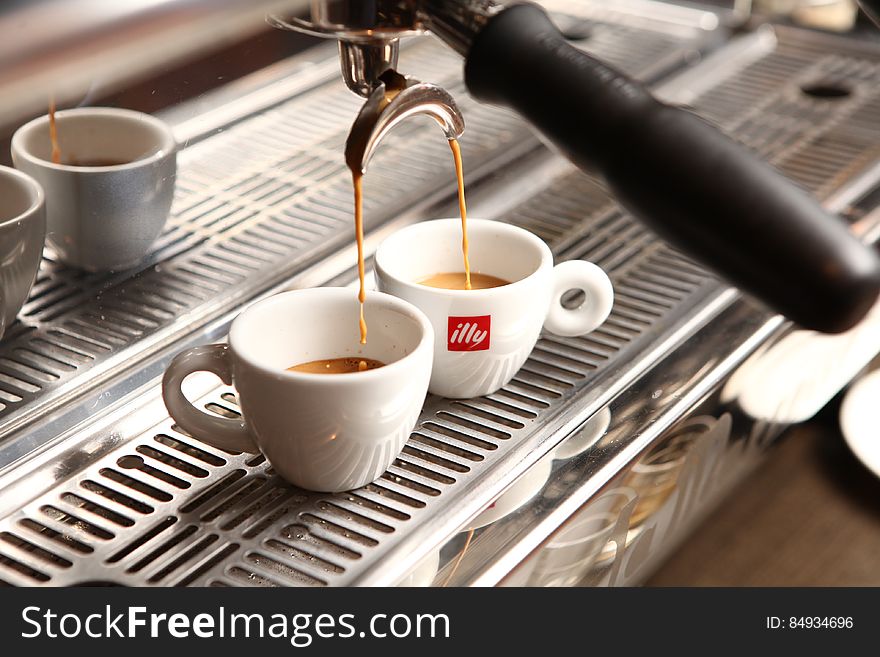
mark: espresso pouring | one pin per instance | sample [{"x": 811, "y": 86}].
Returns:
[
  {"x": 53, "y": 134},
  {"x": 449, "y": 280},
  {"x": 462, "y": 206},
  {"x": 73, "y": 160}
]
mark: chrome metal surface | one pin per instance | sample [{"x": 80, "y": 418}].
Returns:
[
  {"x": 357, "y": 22},
  {"x": 81, "y": 49},
  {"x": 756, "y": 375},
  {"x": 125, "y": 496},
  {"x": 394, "y": 100},
  {"x": 353, "y": 20},
  {"x": 363, "y": 63}
]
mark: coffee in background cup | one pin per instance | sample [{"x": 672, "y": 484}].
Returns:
[{"x": 348, "y": 365}]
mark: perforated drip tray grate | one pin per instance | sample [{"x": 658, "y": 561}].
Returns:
[
  {"x": 164, "y": 509},
  {"x": 167, "y": 509}
]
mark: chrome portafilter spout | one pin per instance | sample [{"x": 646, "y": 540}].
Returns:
[
  {"x": 394, "y": 99},
  {"x": 369, "y": 43}
]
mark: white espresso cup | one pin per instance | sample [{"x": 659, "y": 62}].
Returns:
[
  {"x": 322, "y": 432},
  {"x": 101, "y": 218},
  {"x": 22, "y": 231},
  {"x": 482, "y": 337}
]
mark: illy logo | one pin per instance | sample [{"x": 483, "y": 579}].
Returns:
[{"x": 468, "y": 333}]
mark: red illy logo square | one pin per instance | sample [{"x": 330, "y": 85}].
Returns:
[{"x": 468, "y": 333}]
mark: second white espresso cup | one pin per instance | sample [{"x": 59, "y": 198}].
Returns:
[
  {"x": 109, "y": 199},
  {"x": 323, "y": 432},
  {"x": 482, "y": 337}
]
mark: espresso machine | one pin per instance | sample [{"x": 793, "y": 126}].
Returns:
[{"x": 723, "y": 169}]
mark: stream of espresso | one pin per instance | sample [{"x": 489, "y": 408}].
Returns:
[
  {"x": 358, "y": 179},
  {"x": 53, "y": 133},
  {"x": 459, "y": 174}
]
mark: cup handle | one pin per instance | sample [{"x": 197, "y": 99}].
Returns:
[
  {"x": 223, "y": 433},
  {"x": 579, "y": 275}
]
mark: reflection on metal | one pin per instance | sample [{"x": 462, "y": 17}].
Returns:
[
  {"x": 722, "y": 444},
  {"x": 655, "y": 476},
  {"x": 791, "y": 380},
  {"x": 666, "y": 489},
  {"x": 571, "y": 554},
  {"x": 639, "y": 520},
  {"x": 527, "y": 486},
  {"x": 423, "y": 574},
  {"x": 674, "y": 497},
  {"x": 533, "y": 481},
  {"x": 584, "y": 438}
]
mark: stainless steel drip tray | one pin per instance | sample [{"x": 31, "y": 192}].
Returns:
[
  {"x": 140, "y": 502},
  {"x": 128, "y": 497}
]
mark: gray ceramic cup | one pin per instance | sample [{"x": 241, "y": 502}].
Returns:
[
  {"x": 105, "y": 217},
  {"x": 22, "y": 232}
]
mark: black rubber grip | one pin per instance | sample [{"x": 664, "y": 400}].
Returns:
[{"x": 694, "y": 186}]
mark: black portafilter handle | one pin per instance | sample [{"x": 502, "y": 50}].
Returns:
[{"x": 694, "y": 186}]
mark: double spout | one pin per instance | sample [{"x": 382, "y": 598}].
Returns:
[
  {"x": 394, "y": 99},
  {"x": 369, "y": 36}
]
